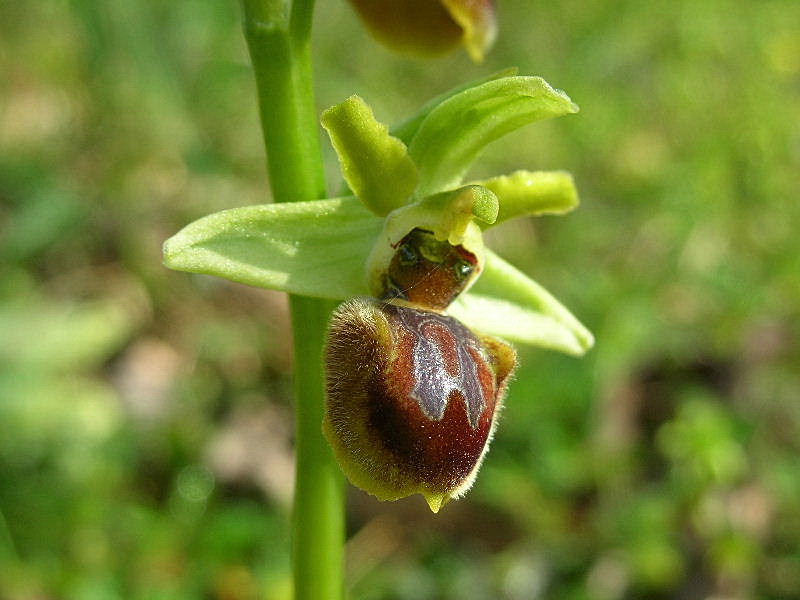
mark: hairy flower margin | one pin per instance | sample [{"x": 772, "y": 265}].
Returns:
[{"x": 408, "y": 191}]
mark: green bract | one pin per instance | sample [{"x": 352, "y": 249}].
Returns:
[{"x": 338, "y": 248}]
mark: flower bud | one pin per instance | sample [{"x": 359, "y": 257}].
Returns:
[
  {"x": 430, "y": 27},
  {"x": 412, "y": 399}
]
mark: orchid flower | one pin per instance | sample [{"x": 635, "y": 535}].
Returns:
[
  {"x": 411, "y": 238},
  {"x": 411, "y": 177}
]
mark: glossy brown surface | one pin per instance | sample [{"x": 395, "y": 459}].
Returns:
[{"x": 428, "y": 272}]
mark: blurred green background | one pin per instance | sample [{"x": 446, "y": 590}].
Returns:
[{"x": 145, "y": 415}]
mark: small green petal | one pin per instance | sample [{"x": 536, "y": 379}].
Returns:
[
  {"x": 533, "y": 193},
  {"x": 448, "y": 214},
  {"x": 454, "y": 133},
  {"x": 406, "y": 130},
  {"x": 375, "y": 165},
  {"x": 316, "y": 248},
  {"x": 507, "y": 303}
]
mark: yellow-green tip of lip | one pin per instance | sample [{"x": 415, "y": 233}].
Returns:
[{"x": 436, "y": 501}]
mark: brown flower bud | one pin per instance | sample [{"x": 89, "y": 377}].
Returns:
[
  {"x": 430, "y": 27},
  {"x": 412, "y": 399}
]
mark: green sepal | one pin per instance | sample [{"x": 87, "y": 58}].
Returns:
[
  {"x": 316, "y": 248},
  {"x": 406, "y": 130},
  {"x": 454, "y": 133},
  {"x": 375, "y": 165},
  {"x": 507, "y": 303},
  {"x": 532, "y": 193}
]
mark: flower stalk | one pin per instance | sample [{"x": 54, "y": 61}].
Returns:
[{"x": 278, "y": 38}]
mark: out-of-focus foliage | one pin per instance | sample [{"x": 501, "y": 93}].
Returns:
[{"x": 145, "y": 421}]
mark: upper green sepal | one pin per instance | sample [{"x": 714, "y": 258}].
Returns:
[
  {"x": 313, "y": 248},
  {"x": 375, "y": 164},
  {"x": 453, "y": 134},
  {"x": 408, "y": 128}
]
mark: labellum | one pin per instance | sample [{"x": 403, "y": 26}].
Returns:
[
  {"x": 412, "y": 393},
  {"x": 412, "y": 398}
]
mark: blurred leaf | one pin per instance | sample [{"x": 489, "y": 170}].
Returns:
[
  {"x": 63, "y": 337},
  {"x": 45, "y": 219}
]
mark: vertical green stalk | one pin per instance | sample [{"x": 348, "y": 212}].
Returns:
[
  {"x": 279, "y": 38},
  {"x": 318, "y": 522},
  {"x": 7, "y": 548}
]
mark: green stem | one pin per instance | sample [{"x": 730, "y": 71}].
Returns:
[
  {"x": 318, "y": 525},
  {"x": 280, "y": 49},
  {"x": 7, "y": 548},
  {"x": 279, "y": 40}
]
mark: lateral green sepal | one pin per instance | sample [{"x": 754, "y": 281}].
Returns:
[
  {"x": 507, "y": 303},
  {"x": 316, "y": 248},
  {"x": 376, "y": 165}
]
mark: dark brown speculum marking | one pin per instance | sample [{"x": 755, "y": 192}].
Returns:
[{"x": 427, "y": 271}]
